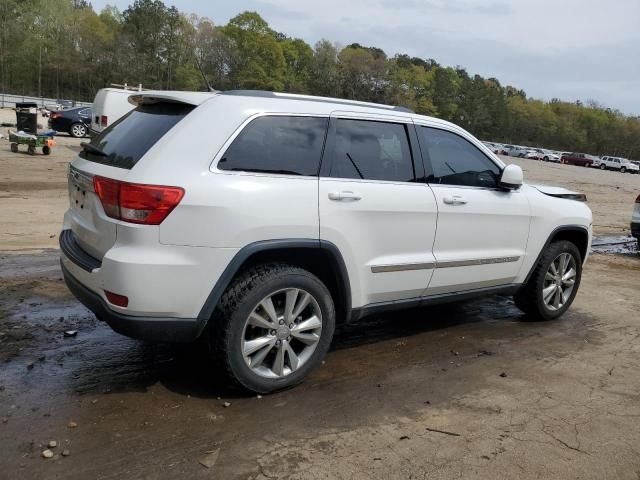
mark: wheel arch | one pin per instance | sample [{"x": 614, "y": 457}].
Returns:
[
  {"x": 320, "y": 257},
  {"x": 576, "y": 234}
]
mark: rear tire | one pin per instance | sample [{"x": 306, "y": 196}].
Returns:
[
  {"x": 623, "y": 169},
  {"x": 78, "y": 130},
  {"x": 253, "y": 311},
  {"x": 603, "y": 167},
  {"x": 46, "y": 150},
  {"x": 539, "y": 297}
]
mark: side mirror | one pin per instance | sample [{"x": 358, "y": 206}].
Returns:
[{"x": 511, "y": 178}]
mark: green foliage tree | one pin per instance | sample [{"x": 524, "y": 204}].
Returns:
[
  {"x": 64, "y": 49},
  {"x": 259, "y": 62}
]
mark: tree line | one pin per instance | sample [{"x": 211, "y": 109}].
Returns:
[{"x": 65, "y": 49}]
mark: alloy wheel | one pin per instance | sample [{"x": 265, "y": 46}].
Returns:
[
  {"x": 78, "y": 130},
  {"x": 281, "y": 333},
  {"x": 559, "y": 281}
]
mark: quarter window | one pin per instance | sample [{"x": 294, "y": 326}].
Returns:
[
  {"x": 456, "y": 161},
  {"x": 278, "y": 144},
  {"x": 372, "y": 150}
]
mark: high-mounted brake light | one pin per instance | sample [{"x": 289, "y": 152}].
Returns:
[{"x": 136, "y": 203}]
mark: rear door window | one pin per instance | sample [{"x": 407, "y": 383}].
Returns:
[
  {"x": 126, "y": 141},
  {"x": 288, "y": 145}
]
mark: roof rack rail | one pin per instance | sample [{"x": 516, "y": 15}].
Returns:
[{"x": 311, "y": 98}]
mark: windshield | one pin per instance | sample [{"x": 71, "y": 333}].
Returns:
[{"x": 127, "y": 140}]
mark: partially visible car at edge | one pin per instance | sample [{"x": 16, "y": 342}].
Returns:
[
  {"x": 635, "y": 220},
  {"x": 109, "y": 105},
  {"x": 74, "y": 121}
]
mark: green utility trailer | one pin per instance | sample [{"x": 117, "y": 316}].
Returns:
[{"x": 32, "y": 142}]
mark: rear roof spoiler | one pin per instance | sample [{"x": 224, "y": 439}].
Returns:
[{"x": 190, "y": 98}]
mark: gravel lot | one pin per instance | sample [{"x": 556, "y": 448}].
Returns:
[{"x": 470, "y": 390}]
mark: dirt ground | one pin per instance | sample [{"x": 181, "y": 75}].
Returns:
[{"x": 470, "y": 390}]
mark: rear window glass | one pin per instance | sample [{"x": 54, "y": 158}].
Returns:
[
  {"x": 125, "y": 142},
  {"x": 278, "y": 144}
]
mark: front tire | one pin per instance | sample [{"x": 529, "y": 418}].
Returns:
[
  {"x": 553, "y": 284},
  {"x": 623, "y": 170},
  {"x": 78, "y": 130},
  {"x": 603, "y": 166},
  {"x": 273, "y": 326}
]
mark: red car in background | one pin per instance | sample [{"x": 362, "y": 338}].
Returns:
[{"x": 580, "y": 159}]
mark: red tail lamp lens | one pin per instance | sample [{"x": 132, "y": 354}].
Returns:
[
  {"x": 115, "y": 299},
  {"x": 137, "y": 203}
]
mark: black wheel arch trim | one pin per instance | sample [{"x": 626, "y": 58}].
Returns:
[
  {"x": 554, "y": 232},
  {"x": 248, "y": 251}
]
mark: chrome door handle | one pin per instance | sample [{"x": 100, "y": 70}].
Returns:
[
  {"x": 454, "y": 200},
  {"x": 344, "y": 196}
]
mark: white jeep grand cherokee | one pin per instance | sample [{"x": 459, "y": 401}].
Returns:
[{"x": 259, "y": 221}]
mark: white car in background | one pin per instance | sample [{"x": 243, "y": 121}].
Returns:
[
  {"x": 298, "y": 214},
  {"x": 621, "y": 164},
  {"x": 550, "y": 156},
  {"x": 522, "y": 152}
]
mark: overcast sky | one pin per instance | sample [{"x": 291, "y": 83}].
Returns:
[{"x": 570, "y": 49}]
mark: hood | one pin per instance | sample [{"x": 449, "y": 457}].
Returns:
[{"x": 560, "y": 192}]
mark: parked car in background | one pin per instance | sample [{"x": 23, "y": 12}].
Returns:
[
  {"x": 621, "y": 164},
  {"x": 550, "y": 156},
  {"x": 506, "y": 149},
  {"x": 535, "y": 153},
  {"x": 494, "y": 147},
  {"x": 522, "y": 152},
  {"x": 109, "y": 105},
  {"x": 579, "y": 159},
  {"x": 74, "y": 121},
  {"x": 322, "y": 225},
  {"x": 635, "y": 220}
]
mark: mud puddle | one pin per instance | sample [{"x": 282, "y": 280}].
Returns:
[
  {"x": 162, "y": 407},
  {"x": 619, "y": 244}
]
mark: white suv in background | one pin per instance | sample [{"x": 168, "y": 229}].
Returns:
[
  {"x": 261, "y": 220},
  {"x": 617, "y": 163}
]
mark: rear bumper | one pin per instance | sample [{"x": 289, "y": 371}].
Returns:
[{"x": 157, "y": 329}]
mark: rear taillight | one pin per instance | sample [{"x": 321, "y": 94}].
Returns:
[
  {"x": 135, "y": 203},
  {"x": 55, "y": 115},
  {"x": 104, "y": 120}
]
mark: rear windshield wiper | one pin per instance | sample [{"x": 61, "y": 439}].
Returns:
[{"x": 87, "y": 147}]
